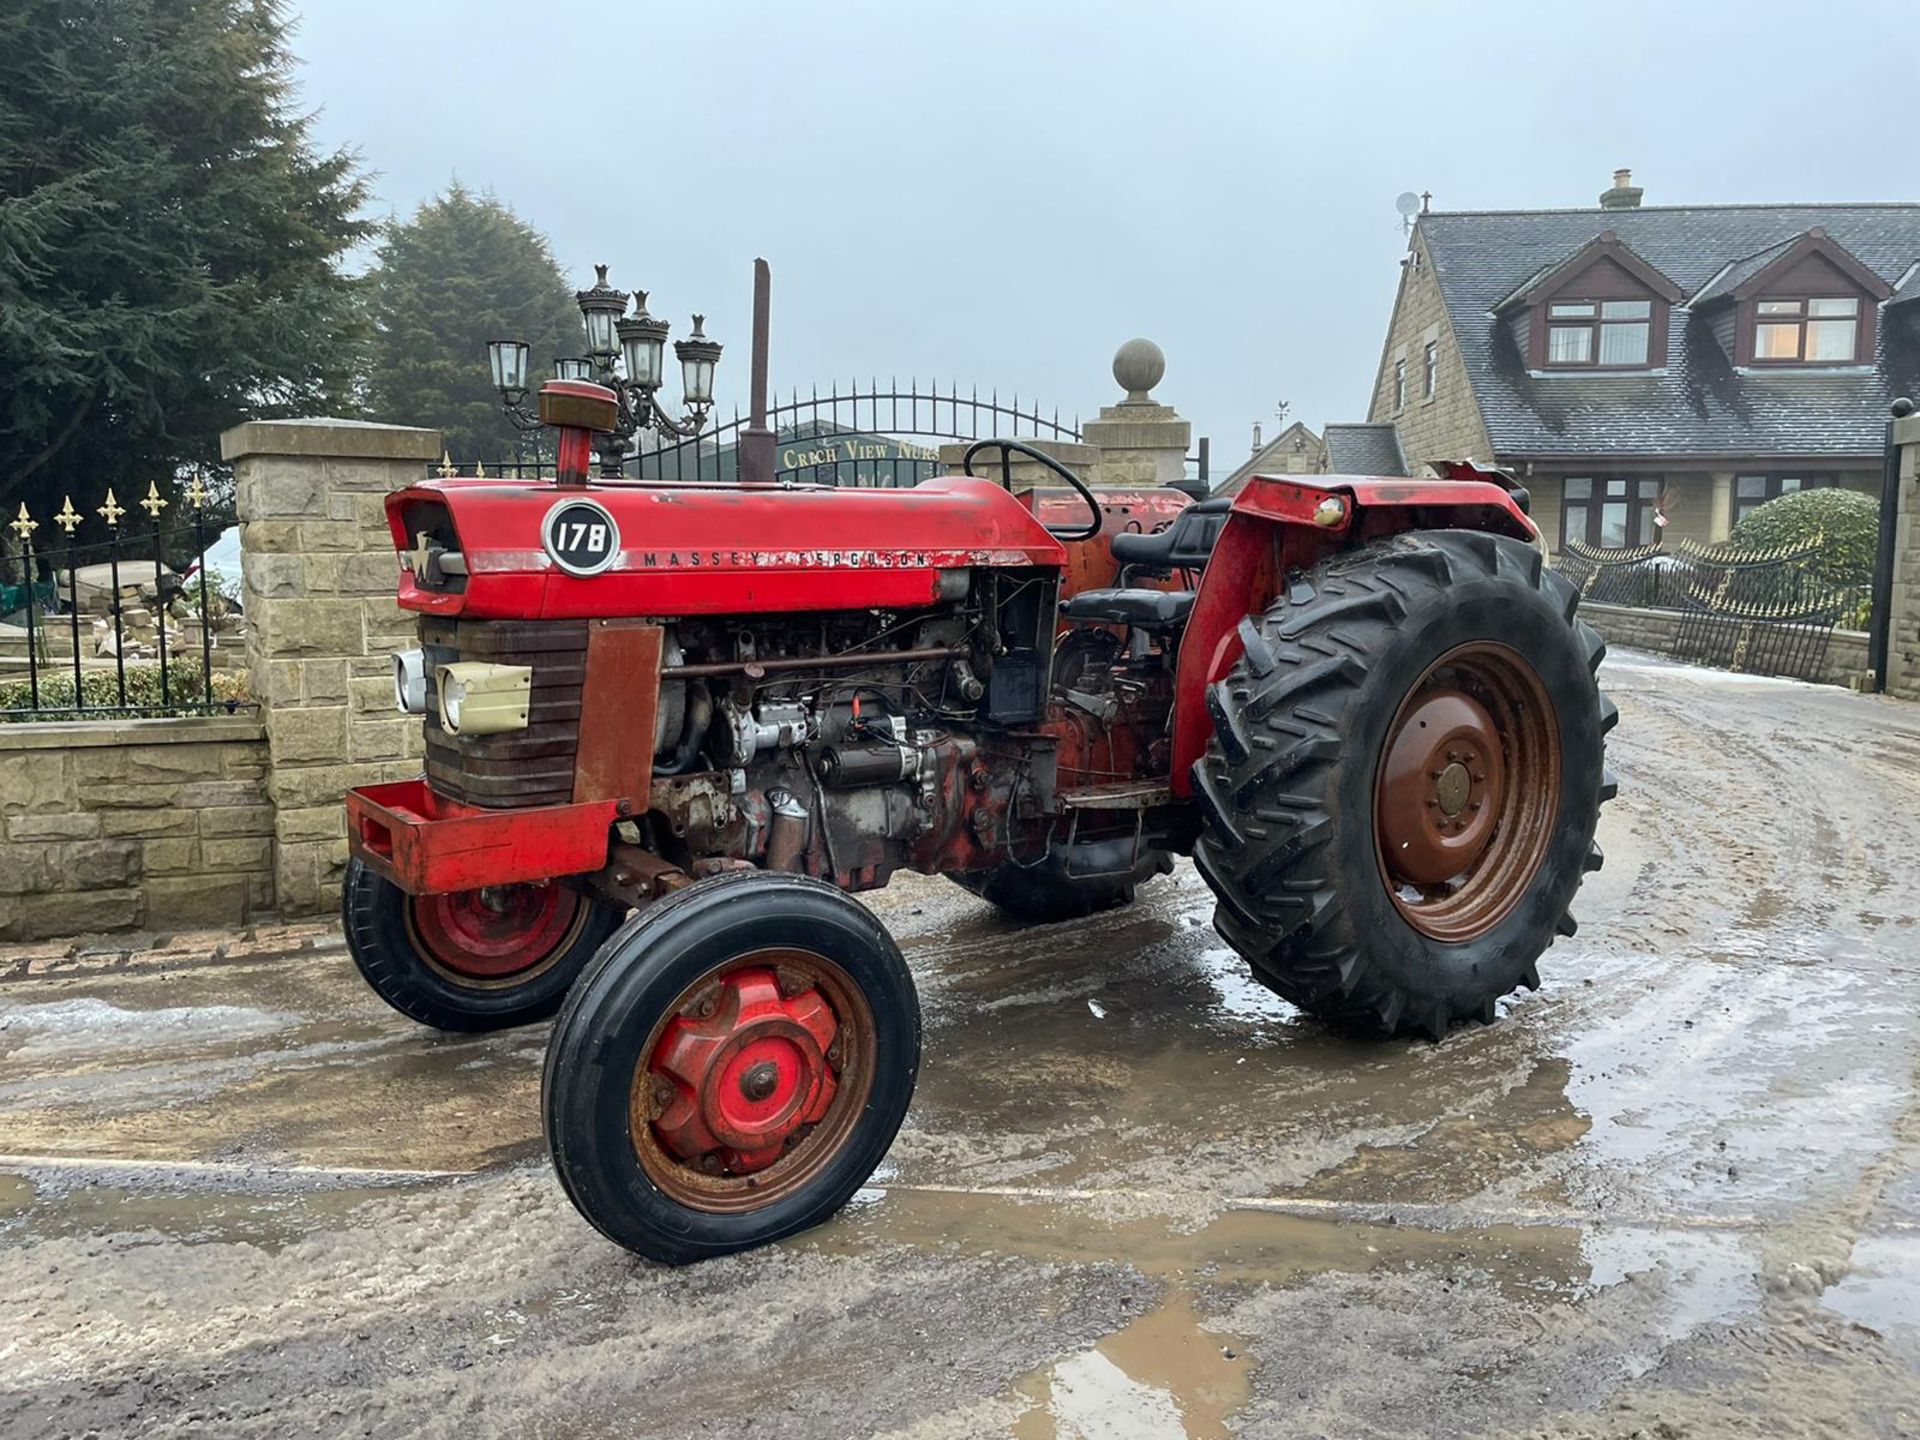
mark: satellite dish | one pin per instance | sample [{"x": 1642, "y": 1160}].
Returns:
[{"x": 1408, "y": 204}]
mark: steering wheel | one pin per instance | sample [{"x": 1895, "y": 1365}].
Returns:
[{"x": 1007, "y": 449}]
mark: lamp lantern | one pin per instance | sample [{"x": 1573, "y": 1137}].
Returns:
[
  {"x": 698, "y": 355},
  {"x": 572, "y": 367},
  {"x": 601, "y": 307},
  {"x": 509, "y": 359},
  {"x": 642, "y": 343}
]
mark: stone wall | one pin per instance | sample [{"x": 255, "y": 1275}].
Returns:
[
  {"x": 1658, "y": 631},
  {"x": 320, "y": 575},
  {"x": 133, "y": 824},
  {"x": 1903, "y": 641},
  {"x": 1447, "y": 427}
]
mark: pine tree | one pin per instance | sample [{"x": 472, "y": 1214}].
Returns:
[
  {"x": 464, "y": 270},
  {"x": 170, "y": 241}
]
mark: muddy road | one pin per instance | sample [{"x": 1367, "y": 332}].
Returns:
[{"x": 1676, "y": 1193}]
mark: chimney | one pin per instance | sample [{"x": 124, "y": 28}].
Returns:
[
  {"x": 1625, "y": 195},
  {"x": 1256, "y": 437}
]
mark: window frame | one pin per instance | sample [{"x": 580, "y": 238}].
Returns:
[
  {"x": 1595, "y": 326},
  {"x": 1774, "y": 487},
  {"x": 1430, "y": 370},
  {"x": 1639, "y": 494},
  {"x": 1801, "y": 320}
]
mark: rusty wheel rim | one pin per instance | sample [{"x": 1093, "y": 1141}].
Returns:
[
  {"x": 752, "y": 1081},
  {"x": 495, "y": 937},
  {"x": 1467, "y": 791}
]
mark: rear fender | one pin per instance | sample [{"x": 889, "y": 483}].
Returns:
[{"x": 1279, "y": 526}]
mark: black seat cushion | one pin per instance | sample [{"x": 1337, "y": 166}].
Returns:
[
  {"x": 1185, "y": 544},
  {"x": 1142, "y": 609}
]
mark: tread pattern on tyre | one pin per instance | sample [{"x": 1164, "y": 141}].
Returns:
[{"x": 1265, "y": 784}]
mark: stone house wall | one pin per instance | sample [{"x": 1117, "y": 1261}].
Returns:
[
  {"x": 1447, "y": 427},
  {"x": 134, "y": 824}
]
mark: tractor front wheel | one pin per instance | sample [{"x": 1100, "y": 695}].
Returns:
[
  {"x": 475, "y": 960},
  {"x": 1404, "y": 779},
  {"x": 732, "y": 1067}
]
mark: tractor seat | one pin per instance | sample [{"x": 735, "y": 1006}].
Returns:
[
  {"x": 1150, "y": 610},
  {"x": 1183, "y": 545}
]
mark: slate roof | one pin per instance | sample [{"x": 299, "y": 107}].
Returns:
[
  {"x": 1700, "y": 405},
  {"x": 1367, "y": 449}
]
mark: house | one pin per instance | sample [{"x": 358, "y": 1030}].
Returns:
[
  {"x": 1366, "y": 449},
  {"x": 1655, "y": 371},
  {"x": 1296, "y": 450}
]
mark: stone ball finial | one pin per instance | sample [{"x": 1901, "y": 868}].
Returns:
[{"x": 1137, "y": 368}]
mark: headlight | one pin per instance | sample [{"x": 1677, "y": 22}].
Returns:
[
  {"x": 410, "y": 682},
  {"x": 479, "y": 699}
]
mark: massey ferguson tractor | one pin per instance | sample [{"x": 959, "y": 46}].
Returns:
[{"x": 673, "y": 729}]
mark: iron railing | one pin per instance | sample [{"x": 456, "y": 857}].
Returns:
[
  {"x": 852, "y": 436},
  {"x": 1761, "y": 611},
  {"x": 119, "y": 642}
]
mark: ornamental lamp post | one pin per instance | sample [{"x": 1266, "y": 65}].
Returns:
[{"x": 617, "y": 341}]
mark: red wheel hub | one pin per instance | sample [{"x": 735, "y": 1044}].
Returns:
[
  {"x": 1440, "y": 788},
  {"x": 742, "y": 1070},
  {"x": 495, "y": 933}
]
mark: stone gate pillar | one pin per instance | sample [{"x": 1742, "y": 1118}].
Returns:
[
  {"x": 1141, "y": 442},
  {"x": 319, "y": 575},
  {"x": 1903, "y": 636}
]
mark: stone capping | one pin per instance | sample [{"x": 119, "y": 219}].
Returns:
[
  {"x": 324, "y": 439},
  {"x": 1906, "y": 431},
  {"x": 166, "y": 730}
]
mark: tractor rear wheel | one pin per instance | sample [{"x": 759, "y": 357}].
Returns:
[
  {"x": 475, "y": 960},
  {"x": 1044, "y": 892},
  {"x": 732, "y": 1067},
  {"x": 1404, "y": 779}
]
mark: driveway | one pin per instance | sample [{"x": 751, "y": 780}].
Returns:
[{"x": 1676, "y": 1193}]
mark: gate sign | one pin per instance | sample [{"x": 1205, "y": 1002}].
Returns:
[{"x": 581, "y": 537}]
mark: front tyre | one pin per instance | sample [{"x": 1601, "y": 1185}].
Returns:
[
  {"x": 1404, "y": 781},
  {"x": 732, "y": 1067},
  {"x": 475, "y": 960}
]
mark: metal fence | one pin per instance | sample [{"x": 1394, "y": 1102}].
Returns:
[
  {"x": 1764, "y": 612},
  {"x": 856, "y": 436},
  {"x": 108, "y": 628}
]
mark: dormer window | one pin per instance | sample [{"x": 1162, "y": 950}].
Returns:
[
  {"x": 1599, "y": 332},
  {"x": 1815, "y": 330}
]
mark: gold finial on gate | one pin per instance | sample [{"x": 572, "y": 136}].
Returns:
[
  {"x": 68, "y": 519},
  {"x": 24, "y": 526},
  {"x": 196, "y": 492},
  {"x": 112, "y": 510},
  {"x": 447, "y": 468},
  {"x": 479, "y": 470},
  {"x": 153, "y": 504}
]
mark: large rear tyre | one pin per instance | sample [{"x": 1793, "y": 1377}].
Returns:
[
  {"x": 476, "y": 960},
  {"x": 1043, "y": 893},
  {"x": 1405, "y": 775},
  {"x": 731, "y": 1068}
]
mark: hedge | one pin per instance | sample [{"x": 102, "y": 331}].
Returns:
[
  {"x": 100, "y": 690},
  {"x": 1846, "y": 521}
]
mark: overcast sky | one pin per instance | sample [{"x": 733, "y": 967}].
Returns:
[{"x": 1000, "y": 193}]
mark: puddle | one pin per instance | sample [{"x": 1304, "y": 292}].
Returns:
[
  {"x": 54, "y": 1210},
  {"x": 1164, "y": 1377},
  {"x": 1882, "y": 1286},
  {"x": 1704, "y": 1277},
  {"x": 1239, "y": 1246},
  {"x": 87, "y": 1029}
]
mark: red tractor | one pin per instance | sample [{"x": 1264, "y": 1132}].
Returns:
[{"x": 672, "y": 730}]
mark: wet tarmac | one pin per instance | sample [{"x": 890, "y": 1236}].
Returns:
[{"x": 1676, "y": 1193}]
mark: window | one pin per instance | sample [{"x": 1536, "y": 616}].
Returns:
[
  {"x": 1750, "y": 492},
  {"x": 1430, "y": 377},
  {"x": 1610, "y": 513},
  {"x": 1599, "y": 332},
  {"x": 1399, "y": 386},
  {"x": 1820, "y": 332}
]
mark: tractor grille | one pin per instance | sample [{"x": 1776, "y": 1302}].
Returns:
[{"x": 523, "y": 767}]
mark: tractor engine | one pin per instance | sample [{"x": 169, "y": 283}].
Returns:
[{"x": 844, "y": 744}]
